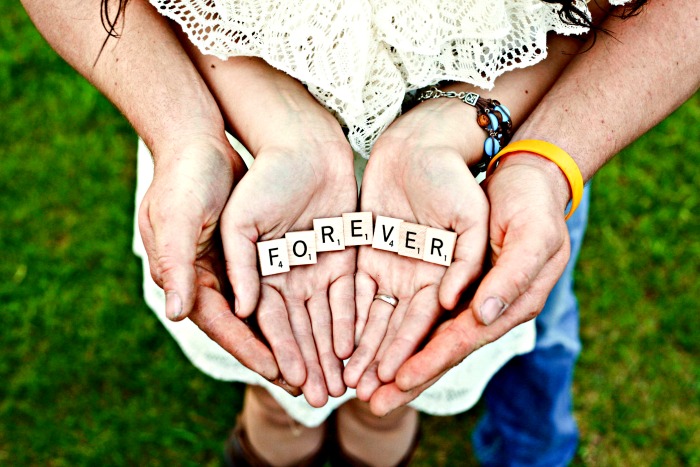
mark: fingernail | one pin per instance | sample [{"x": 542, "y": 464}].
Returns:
[
  {"x": 173, "y": 305},
  {"x": 491, "y": 309},
  {"x": 236, "y": 307},
  {"x": 293, "y": 391}
]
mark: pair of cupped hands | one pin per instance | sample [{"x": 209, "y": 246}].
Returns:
[{"x": 204, "y": 212}]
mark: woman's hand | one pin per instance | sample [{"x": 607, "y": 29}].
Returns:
[
  {"x": 303, "y": 170},
  {"x": 418, "y": 173},
  {"x": 530, "y": 248}
]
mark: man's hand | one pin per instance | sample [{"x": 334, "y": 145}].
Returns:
[
  {"x": 530, "y": 248},
  {"x": 178, "y": 220}
]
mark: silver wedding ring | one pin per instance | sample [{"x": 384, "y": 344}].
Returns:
[{"x": 391, "y": 300}]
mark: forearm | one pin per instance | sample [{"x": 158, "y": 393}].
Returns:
[
  {"x": 145, "y": 73},
  {"x": 625, "y": 84}
]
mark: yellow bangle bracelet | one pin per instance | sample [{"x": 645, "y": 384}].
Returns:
[{"x": 555, "y": 154}]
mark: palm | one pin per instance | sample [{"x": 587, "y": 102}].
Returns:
[
  {"x": 436, "y": 193},
  {"x": 421, "y": 182},
  {"x": 296, "y": 310}
]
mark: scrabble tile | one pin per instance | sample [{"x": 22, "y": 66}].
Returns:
[
  {"x": 329, "y": 234},
  {"x": 357, "y": 227},
  {"x": 301, "y": 247},
  {"x": 439, "y": 246},
  {"x": 273, "y": 257},
  {"x": 386, "y": 234},
  {"x": 412, "y": 240}
]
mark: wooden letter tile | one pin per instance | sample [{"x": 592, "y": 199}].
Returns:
[
  {"x": 412, "y": 240},
  {"x": 386, "y": 234},
  {"x": 301, "y": 247},
  {"x": 273, "y": 256},
  {"x": 357, "y": 227},
  {"x": 439, "y": 246},
  {"x": 329, "y": 234}
]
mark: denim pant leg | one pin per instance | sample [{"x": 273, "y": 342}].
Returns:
[{"x": 529, "y": 419}]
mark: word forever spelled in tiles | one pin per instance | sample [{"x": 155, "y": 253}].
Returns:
[{"x": 356, "y": 229}]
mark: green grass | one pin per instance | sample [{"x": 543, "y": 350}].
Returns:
[{"x": 89, "y": 377}]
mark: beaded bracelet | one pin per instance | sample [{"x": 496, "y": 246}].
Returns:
[{"x": 491, "y": 115}]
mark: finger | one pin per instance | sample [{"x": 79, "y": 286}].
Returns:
[
  {"x": 314, "y": 387},
  {"x": 389, "y": 397},
  {"x": 172, "y": 237},
  {"x": 470, "y": 251},
  {"x": 240, "y": 251},
  {"x": 445, "y": 349},
  {"x": 341, "y": 295},
  {"x": 213, "y": 316},
  {"x": 524, "y": 254},
  {"x": 365, "y": 290},
  {"x": 275, "y": 325},
  {"x": 372, "y": 337},
  {"x": 369, "y": 382},
  {"x": 454, "y": 342},
  {"x": 423, "y": 311},
  {"x": 320, "y": 314}
]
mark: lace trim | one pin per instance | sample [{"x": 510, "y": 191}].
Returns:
[{"x": 359, "y": 58}]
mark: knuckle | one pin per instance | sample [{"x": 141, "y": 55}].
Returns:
[
  {"x": 521, "y": 280},
  {"x": 166, "y": 265}
]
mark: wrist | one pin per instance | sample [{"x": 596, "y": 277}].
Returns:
[
  {"x": 432, "y": 128},
  {"x": 491, "y": 119},
  {"x": 558, "y": 182},
  {"x": 212, "y": 149}
]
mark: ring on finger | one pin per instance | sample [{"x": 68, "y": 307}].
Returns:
[{"x": 390, "y": 299}]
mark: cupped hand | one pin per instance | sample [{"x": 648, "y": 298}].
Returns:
[
  {"x": 417, "y": 173},
  {"x": 178, "y": 220},
  {"x": 303, "y": 170},
  {"x": 529, "y": 251}
]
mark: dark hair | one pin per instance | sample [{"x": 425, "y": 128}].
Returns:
[
  {"x": 572, "y": 15},
  {"x": 569, "y": 14}
]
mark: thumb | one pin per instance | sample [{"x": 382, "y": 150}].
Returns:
[
  {"x": 516, "y": 266},
  {"x": 241, "y": 265},
  {"x": 171, "y": 240}
]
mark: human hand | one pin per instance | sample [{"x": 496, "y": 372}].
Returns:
[
  {"x": 303, "y": 170},
  {"x": 178, "y": 220},
  {"x": 530, "y": 248},
  {"x": 418, "y": 173}
]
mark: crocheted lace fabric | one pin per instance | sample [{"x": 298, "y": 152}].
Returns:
[{"x": 360, "y": 57}]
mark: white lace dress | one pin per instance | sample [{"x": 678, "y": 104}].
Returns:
[{"x": 359, "y": 58}]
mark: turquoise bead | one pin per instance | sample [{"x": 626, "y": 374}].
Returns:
[
  {"x": 493, "y": 125},
  {"x": 504, "y": 111},
  {"x": 491, "y": 146}
]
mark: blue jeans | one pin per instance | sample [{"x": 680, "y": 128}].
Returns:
[{"x": 529, "y": 419}]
